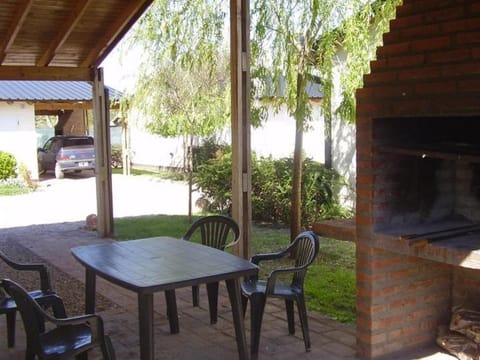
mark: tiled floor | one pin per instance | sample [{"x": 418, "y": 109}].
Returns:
[{"x": 197, "y": 338}]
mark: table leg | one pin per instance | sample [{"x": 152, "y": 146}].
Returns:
[
  {"x": 90, "y": 288},
  {"x": 145, "y": 318},
  {"x": 172, "y": 312},
  {"x": 233, "y": 287}
]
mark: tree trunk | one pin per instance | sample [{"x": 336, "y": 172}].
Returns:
[
  {"x": 190, "y": 177},
  {"x": 296, "y": 209},
  {"x": 328, "y": 142}
]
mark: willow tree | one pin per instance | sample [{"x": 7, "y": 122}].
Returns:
[
  {"x": 296, "y": 41},
  {"x": 182, "y": 89}
]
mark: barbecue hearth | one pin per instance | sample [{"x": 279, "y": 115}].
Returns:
[
  {"x": 427, "y": 180},
  {"x": 418, "y": 171}
]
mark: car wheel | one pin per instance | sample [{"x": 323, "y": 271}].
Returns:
[{"x": 58, "y": 172}]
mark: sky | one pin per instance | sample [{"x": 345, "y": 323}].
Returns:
[{"x": 120, "y": 71}]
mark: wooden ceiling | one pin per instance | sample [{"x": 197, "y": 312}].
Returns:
[{"x": 61, "y": 39}]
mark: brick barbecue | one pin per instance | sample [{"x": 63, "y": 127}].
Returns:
[{"x": 418, "y": 171}]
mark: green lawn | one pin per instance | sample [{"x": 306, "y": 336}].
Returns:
[
  {"x": 330, "y": 284},
  {"x": 13, "y": 189}
]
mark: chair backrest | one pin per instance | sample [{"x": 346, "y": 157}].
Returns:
[
  {"x": 215, "y": 231},
  {"x": 32, "y": 314},
  {"x": 305, "y": 247},
  {"x": 12, "y": 264},
  {"x": 41, "y": 269}
]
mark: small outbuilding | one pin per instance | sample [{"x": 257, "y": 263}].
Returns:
[{"x": 70, "y": 102}]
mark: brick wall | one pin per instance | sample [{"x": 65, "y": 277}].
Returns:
[
  {"x": 400, "y": 301},
  {"x": 466, "y": 289},
  {"x": 429, "y": 66},
  {"x": 75, "y": 124}
]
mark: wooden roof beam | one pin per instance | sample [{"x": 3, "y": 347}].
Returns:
[
  {"x": 65, "y": 105},
  {"x": 113, "y": 35},
  {"x": 49, "y": 106},
  {"x": 17, "y": 21},
  {"x": 46, "y": 73},
  {"x": 64, "y": 32}
]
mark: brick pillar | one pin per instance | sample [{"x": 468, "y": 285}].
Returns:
[
  {"x": 428, "y": 66},
  {"x": 401, "y": 300}
]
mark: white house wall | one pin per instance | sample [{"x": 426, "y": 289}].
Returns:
[
  {"x": 154, "y": 151},
  {"x": 343, "y": 140},
  {"x": 344, "y": 158},
  {"x": 276, "y": 137},
  {"x": 17, "y": 133}
]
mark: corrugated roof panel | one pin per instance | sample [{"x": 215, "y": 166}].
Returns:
[{"x": 49, "y": 91}]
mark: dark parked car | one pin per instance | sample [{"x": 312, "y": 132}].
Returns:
[{"x": 66, "y": 153}]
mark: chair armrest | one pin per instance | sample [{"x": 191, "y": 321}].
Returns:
[
  {"x": 268, "y": 256},
  {"x": 56, "y": 303},
  {"x": 272, "y": 278},
  {"x": 94, "y": 321},
  {"x": 75, "y": 320},
  {"x": 40, "y": 268}
]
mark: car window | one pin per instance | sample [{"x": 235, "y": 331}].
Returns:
[
  {"x": 77, "y": 142},
  {"x": 48, "y": 145},
  {"x": 56, "y": 145}
]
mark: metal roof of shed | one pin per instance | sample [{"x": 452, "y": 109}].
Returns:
[{"x": 50, "y": 91}]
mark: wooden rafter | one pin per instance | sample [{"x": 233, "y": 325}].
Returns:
[
  {"x": 65, "y": 105},
  {"x": 48, "y": 112},
  {"x": 49, "y": 106},
  {"x": 15, "y": 25},
  {"x": 45, "y": 73},
  {"x": 63, "y": 32},
  {"x": 112, "y": 36}
]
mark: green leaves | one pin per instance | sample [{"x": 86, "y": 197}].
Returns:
[
  {"x": 7, "y": 165},
  {"x": 181, "y": 30},
  {"x": 183, "y": 88},
  {"x": 304, "y": 38},
  {"x": 272, "y": 189}
]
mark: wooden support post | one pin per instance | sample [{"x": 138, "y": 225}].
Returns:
[
  {"x": 102, "y": 156},
  {"x": 240, "y": 78}
]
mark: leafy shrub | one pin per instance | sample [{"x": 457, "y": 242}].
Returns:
[
  {"x": 116, "y": 154},
  {"x": 7, "y": 165},
  {"x": 272, "y": 189},
  {"x": 320, "y": 193},
  {"x": 25, "y": 175},
  {"x": 214, "y": 178},
  {"x": 210, "y": 149}
]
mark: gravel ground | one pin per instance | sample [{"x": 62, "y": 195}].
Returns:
[{"x": 69, "y": 289}]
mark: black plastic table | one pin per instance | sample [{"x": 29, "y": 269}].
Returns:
[{"x": 161, "y": 264}]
